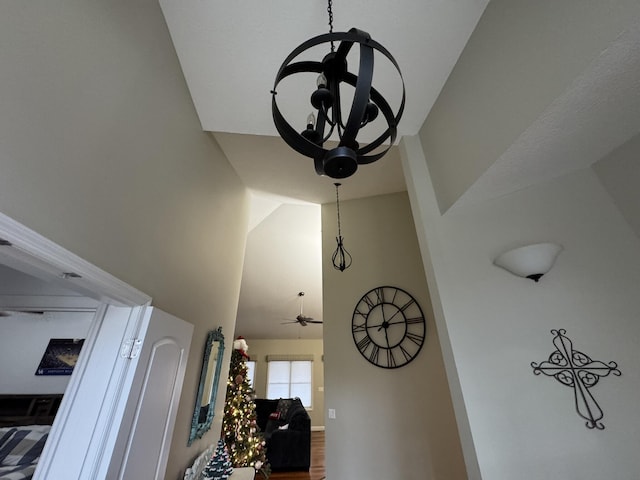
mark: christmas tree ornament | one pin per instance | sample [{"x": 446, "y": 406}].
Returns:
[{"x": 240, "y": 344}]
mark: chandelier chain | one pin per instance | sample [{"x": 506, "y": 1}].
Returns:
[{"x": 330, "y": 11}]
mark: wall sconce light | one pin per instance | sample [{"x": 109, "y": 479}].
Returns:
[{"x": 531, "y": 261}]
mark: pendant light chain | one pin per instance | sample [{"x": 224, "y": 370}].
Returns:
[
  {"x": 338, "y": 208},
  {"x": 330, "y": 10},
  {"x": 341, "y": 258}
]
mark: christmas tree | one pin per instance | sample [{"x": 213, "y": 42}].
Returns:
[
  {"x": 219, "y": 467},
  {"x": 241, "y": 434}
]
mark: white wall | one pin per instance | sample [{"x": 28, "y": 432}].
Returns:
[
  {"x": 101, "y": 151},
  {"x": 289, "y": 235},
  {"x": 520, "y": 58},
  {"x": 390, "y": 423},
  {"x": 19, "y": 284},
  {"x": 525, "y": 426},
  {"x": 619, "y": 172},
  {"x": 258, "y": 351},
  {"x": 23, "y": 340}
]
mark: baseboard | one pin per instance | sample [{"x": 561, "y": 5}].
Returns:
[{"x": 319, "y": 428}]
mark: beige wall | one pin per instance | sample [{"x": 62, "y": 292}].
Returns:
[
  {"x": 101, "y": 151},
  {"x": 259, "y": 349},
  {"x": 390, "y": 424}
]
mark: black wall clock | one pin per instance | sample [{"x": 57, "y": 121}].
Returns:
[{"x": 388, "y": 327}]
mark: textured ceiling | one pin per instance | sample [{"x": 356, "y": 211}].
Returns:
[{"x": 599, "y": 111}]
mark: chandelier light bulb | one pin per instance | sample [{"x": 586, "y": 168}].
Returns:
[
  {"x": 311, "y": 121},
  {"x": 310, "y": 133}
]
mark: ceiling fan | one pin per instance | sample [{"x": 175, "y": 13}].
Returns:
[{"x": 301, "y": 319}]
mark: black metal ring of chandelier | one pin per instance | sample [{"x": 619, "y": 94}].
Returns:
[{"x": 343, "y": 160}]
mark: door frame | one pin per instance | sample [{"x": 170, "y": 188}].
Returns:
[{"x": 25, "y": 250}]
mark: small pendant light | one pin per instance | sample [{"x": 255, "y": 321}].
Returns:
[{"x": 341, "y": 258}]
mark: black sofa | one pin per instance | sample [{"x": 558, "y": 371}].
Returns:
[
  {"x": 287, "y": 431},
  {"x": 264, "y": 408}
]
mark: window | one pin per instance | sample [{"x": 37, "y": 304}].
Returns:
[
  {"x": 289, "y": 378},
  {"x": 251, "y": 372}
]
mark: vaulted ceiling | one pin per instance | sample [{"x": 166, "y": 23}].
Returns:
[{"x": 230, "y": 53}]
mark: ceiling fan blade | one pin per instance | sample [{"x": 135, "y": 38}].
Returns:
[
  {"x": 304, "y": 320},
  {"x": 301, "y": 319}
]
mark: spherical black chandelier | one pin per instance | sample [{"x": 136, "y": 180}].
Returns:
[{"x": 341, "y": 161}]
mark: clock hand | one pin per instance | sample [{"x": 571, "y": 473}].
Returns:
[
  {"x": 402, "y": 309},
  {"x": 376, "y": 325},
  {"x": 394, "y": 315},
  {"x": 388, "y": 323},
  {"x": 384, "y": 323},
  {"x": 395, "y": 323}
]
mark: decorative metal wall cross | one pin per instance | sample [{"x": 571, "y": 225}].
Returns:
[{"x": 575, "y": 369}]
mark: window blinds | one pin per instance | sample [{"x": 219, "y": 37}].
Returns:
[{"x": 290, "y": 358}]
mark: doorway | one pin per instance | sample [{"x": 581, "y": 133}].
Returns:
[{"x": 82, "y": 436}]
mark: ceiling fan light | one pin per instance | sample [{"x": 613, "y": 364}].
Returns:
[{"x": 531, "y": 261}]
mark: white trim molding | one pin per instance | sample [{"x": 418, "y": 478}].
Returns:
[{"x": 32, "y": 250}]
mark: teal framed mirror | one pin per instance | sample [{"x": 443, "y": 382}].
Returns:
[{"x": 208, "y": 386}]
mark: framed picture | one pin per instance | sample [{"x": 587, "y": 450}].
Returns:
[{"x": 60, "y": 356}]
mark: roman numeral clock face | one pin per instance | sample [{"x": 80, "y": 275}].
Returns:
[{"x": 388, "y": 327}]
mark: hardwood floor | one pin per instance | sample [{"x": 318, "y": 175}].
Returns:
[{"x": 316, "y": 471}]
